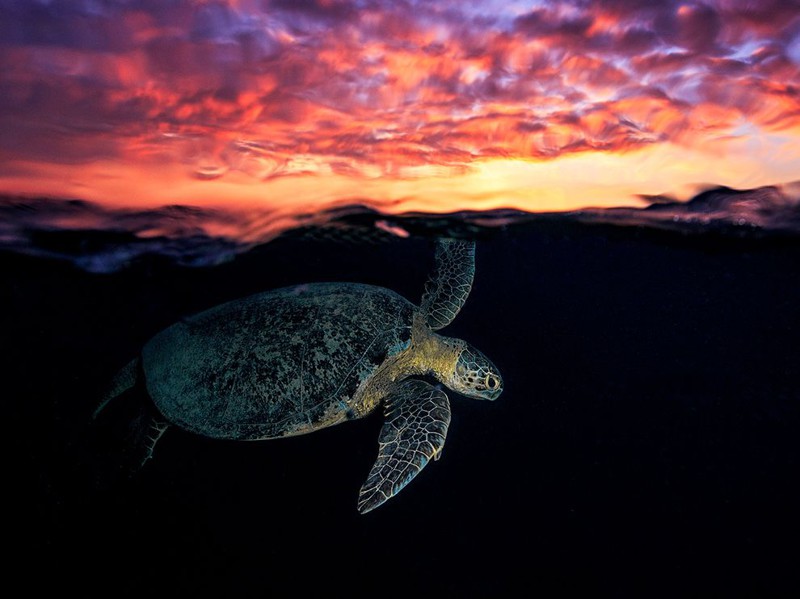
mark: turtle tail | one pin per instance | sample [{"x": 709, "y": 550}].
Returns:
[{"x": 125, "y": 379}]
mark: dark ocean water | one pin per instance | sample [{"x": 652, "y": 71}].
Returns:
[{"x": 645, "y": 443}]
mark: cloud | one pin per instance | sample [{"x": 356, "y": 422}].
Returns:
[
  {"x": 317, "y": 10},
  {"x": 258, "y": 90},
  {"x": 542, "y": 22},
  {"x": 694, "y": 27}
]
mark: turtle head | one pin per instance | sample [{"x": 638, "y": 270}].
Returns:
[{"x": 474, "y": 374}]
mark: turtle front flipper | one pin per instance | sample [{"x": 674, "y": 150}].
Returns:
[
  {"x": 417, "y": 417},
  {"x": 450, "y": 283}
]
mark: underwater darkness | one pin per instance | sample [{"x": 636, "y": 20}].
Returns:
[{"x": 645, "y": 443}]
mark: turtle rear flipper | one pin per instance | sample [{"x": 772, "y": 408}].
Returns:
[
  {"x": 138, "y": 427},
  {"x": 125, "y": 379},
  {"x": 450, "y": 283},
  {"x": 150, "y": 430},
  {"x": 417, "y": 417},
  {"x": 140, "y": 422}
]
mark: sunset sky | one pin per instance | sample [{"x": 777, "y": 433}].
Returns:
[{"x": 297, "y": 105}]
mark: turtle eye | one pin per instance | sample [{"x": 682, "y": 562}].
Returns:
[{"x": 491, "y": 382}]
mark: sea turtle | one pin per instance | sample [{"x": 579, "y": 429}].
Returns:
[{"x": 298, "y": 359}]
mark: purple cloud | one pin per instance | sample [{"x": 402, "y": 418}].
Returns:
[{"x": 437, "y": 79}]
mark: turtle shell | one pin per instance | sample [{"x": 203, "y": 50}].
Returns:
[{"x": 278, "y": 363}]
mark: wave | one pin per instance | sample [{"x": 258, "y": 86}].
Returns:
[
  {"x": 720, "y": 209},
  {"x": 99, "y": 239}
]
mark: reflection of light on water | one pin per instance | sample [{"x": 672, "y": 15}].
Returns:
[
  {"x": 199, "y": 236},
  {"x": 399, "y": 172},
  {"x": 210, "y": 171},
  {"x": 392, "y": 229}
]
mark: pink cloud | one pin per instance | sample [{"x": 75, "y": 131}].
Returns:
[
  {"x": 694, "y": 27},
  {"x": 269, "y": 88}
]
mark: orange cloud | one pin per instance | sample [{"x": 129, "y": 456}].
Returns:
[{"x": 315, "y": 102}]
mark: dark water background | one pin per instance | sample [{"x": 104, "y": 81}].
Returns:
[{"x": 645, "y": 443}]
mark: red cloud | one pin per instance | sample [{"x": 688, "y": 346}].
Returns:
[{"x": 247, "y": 86}]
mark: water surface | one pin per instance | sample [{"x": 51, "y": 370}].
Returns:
[{"x": 645, "y": 443}]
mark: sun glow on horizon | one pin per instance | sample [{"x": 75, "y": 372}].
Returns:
[{"x": 428, "y": 107}]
